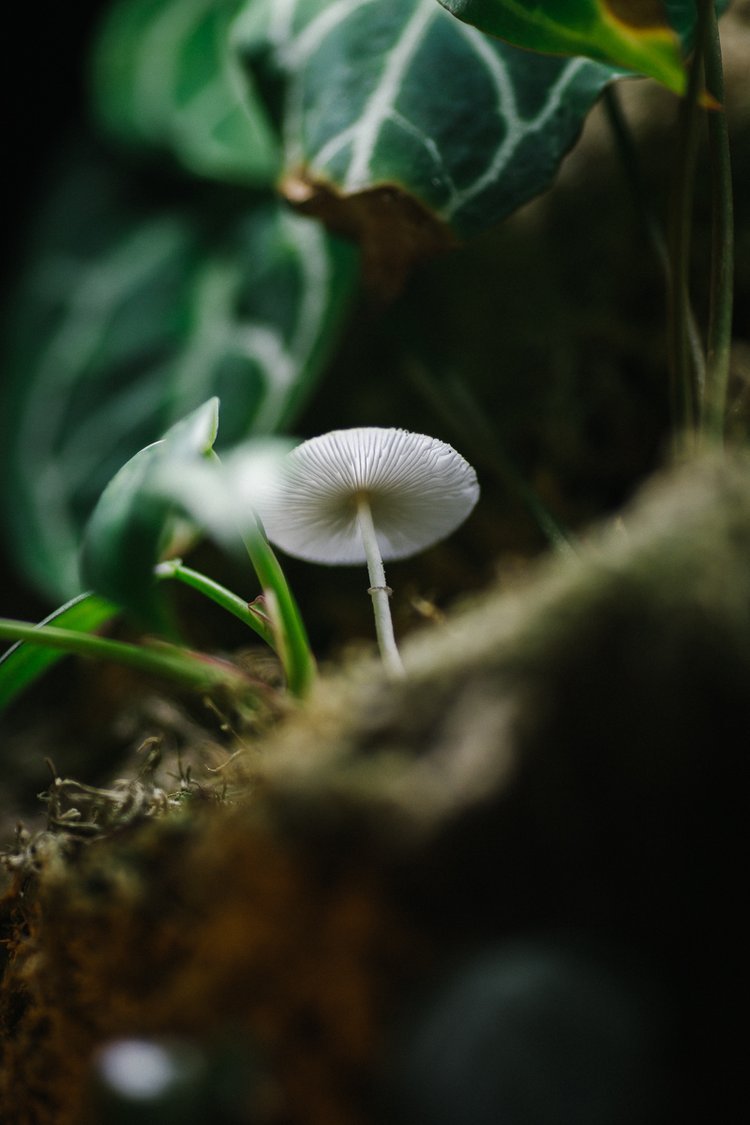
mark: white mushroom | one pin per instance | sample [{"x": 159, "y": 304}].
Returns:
[{"x": 367, "y": 495}]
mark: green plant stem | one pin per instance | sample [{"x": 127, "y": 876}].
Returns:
[
  {"x": 190, "y": 669},
  {"x": 229, "y": 601},
  {"x": 722, "y": 247},
  {"x": 379, "y": 592},
  {"x": 288, "y": 631},
  {"x": 646, "y": 213},
  {"x": 286, "y": 634},
  {"x": 686, "y": 390}
]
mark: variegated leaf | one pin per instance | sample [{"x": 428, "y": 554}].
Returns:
[
  {"x": 404, "y": 125},
  {"x": 129, "y": 318},
  {"x": 624, "y": 34},
  {"x": 165, "y": 77}
]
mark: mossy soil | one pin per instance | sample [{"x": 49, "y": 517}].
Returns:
[{"x": 562, "y": 768}]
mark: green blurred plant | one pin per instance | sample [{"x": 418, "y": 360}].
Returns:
[
  {"x": 168, "y": 267},
  {"x": 142, "y": 301},
  {"x": 157, "y": 502}
]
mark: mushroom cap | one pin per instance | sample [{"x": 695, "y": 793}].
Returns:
[{"x": 418, "y": 488}]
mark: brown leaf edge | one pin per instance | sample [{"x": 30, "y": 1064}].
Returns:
[{"x": 394, "y": 230}]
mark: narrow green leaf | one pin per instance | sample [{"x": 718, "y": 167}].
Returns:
[
  {"x": 635, "y": 36},
  {"x": 222, "y": 497},
  {"x": 23, "y": 663},
  {"x": 130, "y": 315},
  {"x": 165, "y": 78},
  {"x": 192, "y": 669},
  {"x": 292, "y": 643},
  {"x": 133, "y": 525},
  {"x": 174, "y": 485},
  {"x": 247, "y": 612}
]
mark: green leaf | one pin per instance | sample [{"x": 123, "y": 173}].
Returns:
[
  {"x": 635, "y": 36},
  {"x": 406, "y": 125},
  {"x": 142, "y": 514},
  {"x": 23, "y": 664},
  {"x": 134, "y": 525},
  {"x": 192, "y": 669},
  {"x": 133, "y": 312},
  {"x": 165, "y": 78},
  {"x": 223, "y": 497},
  {"x": 249, "y": 613}
]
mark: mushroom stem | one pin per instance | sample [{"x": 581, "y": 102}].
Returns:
[{"x": 379, "y": 591}]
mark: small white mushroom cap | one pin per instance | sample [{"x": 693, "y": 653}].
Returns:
[{"x": 419, "y": 490}]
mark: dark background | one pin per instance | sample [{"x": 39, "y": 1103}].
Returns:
[{"x": 44, "y": 98}]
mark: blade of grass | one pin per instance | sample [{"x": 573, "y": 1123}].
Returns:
[
  {"x": 193, "y": 670},
  {"x": 232, "y": 603},
  {"x": 290, "y": 636},
  {"x": 24, "y": 663}
]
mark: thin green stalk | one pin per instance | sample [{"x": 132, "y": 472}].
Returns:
[
  {"x": 290, "y": 636},
  {"x": 722, "y": 247},
  {"x": 287, "y": 631},
  {"x": 190, "y": 669},
  {"x": 647, "y": 216},
  {"x": 229, "y": 601},
  {"x": 686, "y": 391}
]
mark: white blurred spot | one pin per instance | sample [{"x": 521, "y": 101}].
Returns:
[{"x": 137, "y": 1069}]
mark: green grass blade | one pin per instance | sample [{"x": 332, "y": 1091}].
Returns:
[
  {"x": 24, "y": 663},
  {"x": 290, "y": 635},
  {"x": 246, "y": 612},
  {"x": 193, "y": 670}
]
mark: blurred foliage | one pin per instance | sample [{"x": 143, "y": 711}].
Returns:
[
  {"x": 136, "y": 308},
  {"x": 164, "y": 269}
]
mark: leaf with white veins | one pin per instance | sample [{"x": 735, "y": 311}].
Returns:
[
  {"x": 403, "y": 125},
  {"x": 129, "y": 317},
  {"x": 165, "y": 78},
  {"x": 407, "y": 128}
]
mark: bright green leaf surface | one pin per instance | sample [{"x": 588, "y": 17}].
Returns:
[
  {"x": 23, "y": 664},
  {"x": 133, "y": 526},
  {"x": 131, "y": 315},
  {"x": 399, "y": 92},
  {"x": 164, "y": 77},
  {"x": 635, "y": 36}
]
